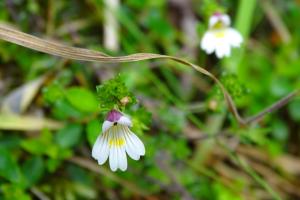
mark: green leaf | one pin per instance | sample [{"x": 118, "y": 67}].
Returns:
[
  {"x": 34, "y": 146},
  {"x": 8, "y": 167},
  {"x": 224, "y": 194},
  {"x": 53, "y": 92},
  {"x": 69, "y": 136},
  {"x": 82, "y": 99},
  {"x": 79, "y": 175},
  {"x": 93, "y": 129},
  {"x": 33, "y": 170},
  {"x": 53, "y": 164},
  {"x": 9, "y": 142},
  {"x": 13, "y": 191},
  {"x": 63, "y": 110},
  {"x": 41, "y": 145}
]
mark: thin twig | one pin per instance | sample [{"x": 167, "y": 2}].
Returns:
[
  {"x": 273, "y": 107},
  {"x": 39, "y": 194}
]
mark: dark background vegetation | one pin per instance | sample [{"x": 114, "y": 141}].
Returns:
[{"x": 195, "y": 149}]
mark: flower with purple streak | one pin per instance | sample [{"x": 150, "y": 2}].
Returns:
[{"x": 115, "y": 141}]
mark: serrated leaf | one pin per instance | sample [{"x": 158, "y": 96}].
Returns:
[{"x": 112, "y": 91}]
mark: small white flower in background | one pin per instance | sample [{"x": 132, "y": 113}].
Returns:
[
  {"x": 220, "y": 37},
  {"x": 115, "y": 141}
]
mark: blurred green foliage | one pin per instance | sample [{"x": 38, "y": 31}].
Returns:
[{"x": 179, "y": 115}]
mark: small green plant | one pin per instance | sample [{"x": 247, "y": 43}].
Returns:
[{"x": 114, "y": 94}]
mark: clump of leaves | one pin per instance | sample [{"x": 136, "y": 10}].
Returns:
[
  {"x": 234, "y": 86},
  {"x": 113, "y": 92}
]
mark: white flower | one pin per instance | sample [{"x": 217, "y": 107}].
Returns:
[
  {"x": 115, "y": 141},
  {"x": 220, "y": 38}
]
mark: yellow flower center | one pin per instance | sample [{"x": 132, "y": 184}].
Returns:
[
  {"x": 220, "y": 34},
  {"x": 116, "y": 142},
  {"x": 219, "y": 29}
]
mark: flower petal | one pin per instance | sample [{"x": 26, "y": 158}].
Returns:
[
  {"x": 113, "y": 115},
  {"x": 130, "y": 148},
  {"x": 225, "y": 19},
  {"x": 213, "y": 20},
  {"x": 234, "y": 37},
  {"x": 140, "y": 148},
  {"x": 104, "y": 150},
  {"x": 97, "y": 147},
  {"x": 222, "y": 47},
  {"x": 208, "y": 42},
  {"x": 100, "y": 149},
  {"x": 113, "y": 158},
  {"x": 106, "y": 125},
  {"x": 122, "y": 160},
  {"x": 124, "y": 121},
  {"x": 223, "y": 50}
]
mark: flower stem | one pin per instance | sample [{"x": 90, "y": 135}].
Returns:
[{"x": 243, "y": 23}]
